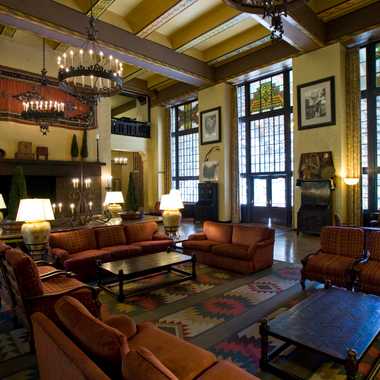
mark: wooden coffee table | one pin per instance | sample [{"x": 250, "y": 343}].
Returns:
[
  {"x": 335, "y": 322},
  {"x": 139, "y": 267}
]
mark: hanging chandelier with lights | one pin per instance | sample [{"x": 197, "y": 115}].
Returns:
[
  {"x": 39, "y": 108},
  {"x": 87, "y": 72},
  {"x": 273, "y": 9}
]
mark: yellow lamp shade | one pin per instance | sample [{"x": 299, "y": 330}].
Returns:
[
  {"x": 2, "y": 203},
  {"x": 33, "y": 210},
  {"x": 171, "y": 201},
  {"x": 114, "y": 197}
]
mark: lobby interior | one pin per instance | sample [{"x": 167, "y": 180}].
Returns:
[{"x": 189, "y": 189}]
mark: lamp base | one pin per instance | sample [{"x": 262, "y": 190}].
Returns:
[
  {"x": 171, "y": 220},
  {"x": 1, "y": 217},
  {"x": 114, "y": 209},
  {"x": 36, "y": 237}
]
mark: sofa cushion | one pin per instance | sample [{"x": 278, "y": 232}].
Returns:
[
  {"x": 236, "y": 251},
  {"x": 184, "y": 359},
  {"x": 370, "y": 273},
  {"x": 74, "y": 241},
  {"x": 153, "y": 245},
  {"x": 249, "y": 235},
  {"x": 110, "y": 236},
  {"x": 199, "y": 245},
  {"x": 326, "y": 264},
  {"x": 343, "y": 241},
  {"x": 26, "y": 273},
  {"x": 100, "y": 341},
  {"x": 140, "y": 231},
  {"x": 143, "y": 364},
  {"x": 119, "y": 252},
  {"x": 84, "y": 263},
  {"x": 373, "y": 245},
  {"x": 219, "y": 232},
  {"x": 225, "y": 370},
  {"x": 123, "y": 323}
]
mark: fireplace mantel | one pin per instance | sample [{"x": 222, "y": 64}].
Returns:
[{"x": 51, "y": 168}]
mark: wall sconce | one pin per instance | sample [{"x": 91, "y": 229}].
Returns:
[{"x": 351, "y": 181}]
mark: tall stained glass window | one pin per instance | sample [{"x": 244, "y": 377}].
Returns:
[
  {"x": 184, "y": 138},
  {"x": 369, "y": 58},
  {"x": 264, "y": 109}
]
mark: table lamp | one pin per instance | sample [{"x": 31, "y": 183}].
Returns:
[
  {"x": 2, "y": 207},
  {"x": 113, "y": 201},
  {"x": 35, "y": 213},
  {"x": 171, "y": 216}
]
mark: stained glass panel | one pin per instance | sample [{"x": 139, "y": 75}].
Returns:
[{"x": 267, "y": 94}]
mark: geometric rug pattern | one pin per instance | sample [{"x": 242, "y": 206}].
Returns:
[
  {"x": 14, "y": 343},
  {"x": 243, "y": 348},
  {"x": 207, "y": 278},
  {"x": 214, "y": 311}
]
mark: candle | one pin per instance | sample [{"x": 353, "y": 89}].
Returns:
[
  {"x": 72, "y": 207},
  {"x": 90, "y": 205},
  {"x": 97, "y": 136},
  {"x": 54, "y": 206},
  {"x": 60, "y": 207},
  {"x": 92, "y": 81},
  {"x": 72, "y": 57},
  {"x": 64, "y": 59},
  {"x": 81, "y": 56}
]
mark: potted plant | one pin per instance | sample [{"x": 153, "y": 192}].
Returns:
[
  {"x": 17, "y": 192},
  {"x": 84, "y": 149},
  {"x": 74, "y": 147},
  {"x": 132, "y": 200}
]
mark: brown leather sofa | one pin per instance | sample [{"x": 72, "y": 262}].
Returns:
[
  {"x": 341, "y": 249},
  {"x": 78, "y": 250},
  {"x": 113, "y": 347},
  {"x": 237, "y": 247}
]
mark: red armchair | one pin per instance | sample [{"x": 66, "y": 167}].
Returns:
[{"x": 341, "y": 249}]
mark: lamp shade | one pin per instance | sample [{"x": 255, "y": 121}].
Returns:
[
  {"x": 351, "y": 181},
  {"x": 33, "y": 210},
  {"x": 114, "y": 197},
  {"x": 2, "y": 203},
  {"x": 171, "y": 201}
]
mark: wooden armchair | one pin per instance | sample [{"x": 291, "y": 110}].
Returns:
[
  {"x": 32, "y": 291},
  {"x": 342, "y": 248}
]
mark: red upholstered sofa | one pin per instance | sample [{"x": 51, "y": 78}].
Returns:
[
  {"x": 78, "y": 250},
  {"x": 237, "y": 247}
]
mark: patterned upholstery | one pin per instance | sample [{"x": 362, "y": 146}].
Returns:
[
  {"x": 74, "y": 241},
  {"x": 108, "y": 237},
  {"x": 341, "y": 247},
  {"x": 153, "y": 245},
  {"x": 119, "y": 252},
  {"x": 26, "y": 273},
  {"x": 343, "y": 241}
]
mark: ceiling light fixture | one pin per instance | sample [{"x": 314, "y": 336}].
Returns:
[
  {"x": 87, "y": 72},
  {"x": 273, "y": 9},
  {"x": 39, "y": 108}
]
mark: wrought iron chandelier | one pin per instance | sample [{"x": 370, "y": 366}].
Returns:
[
  {"x": 87, "y": 72},
  {"x": 273, "y": 9},
  {"x": 39, "y": 108}
]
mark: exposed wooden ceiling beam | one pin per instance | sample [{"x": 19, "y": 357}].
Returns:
[
  {"x": 123, "y": 108},
  {"x": 55, "y": 21},
  {"x": 277, "y": 51},
  {"x": 174, "y": 94},
  {"x": 158, "y": 17},
  {"x": 302, "y": 28},
  {"x": 364, "y": 21}
]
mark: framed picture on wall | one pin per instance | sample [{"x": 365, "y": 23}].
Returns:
[
  {"x": 316, "y": 103},
  {"x": 211, "y": 126}
]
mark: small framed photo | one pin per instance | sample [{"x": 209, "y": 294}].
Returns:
[
  {"x": 210, "y": 171},
  {"x": 316, "y": 103},
  {"x": 211, "y": 126}
]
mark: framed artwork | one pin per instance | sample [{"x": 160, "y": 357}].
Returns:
[
  {"x": 316, "y": 166},
  {"x": 316, "y": 103},
  {"x": 211, "y": 126},
  {"x": 210, "y": 171}
]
